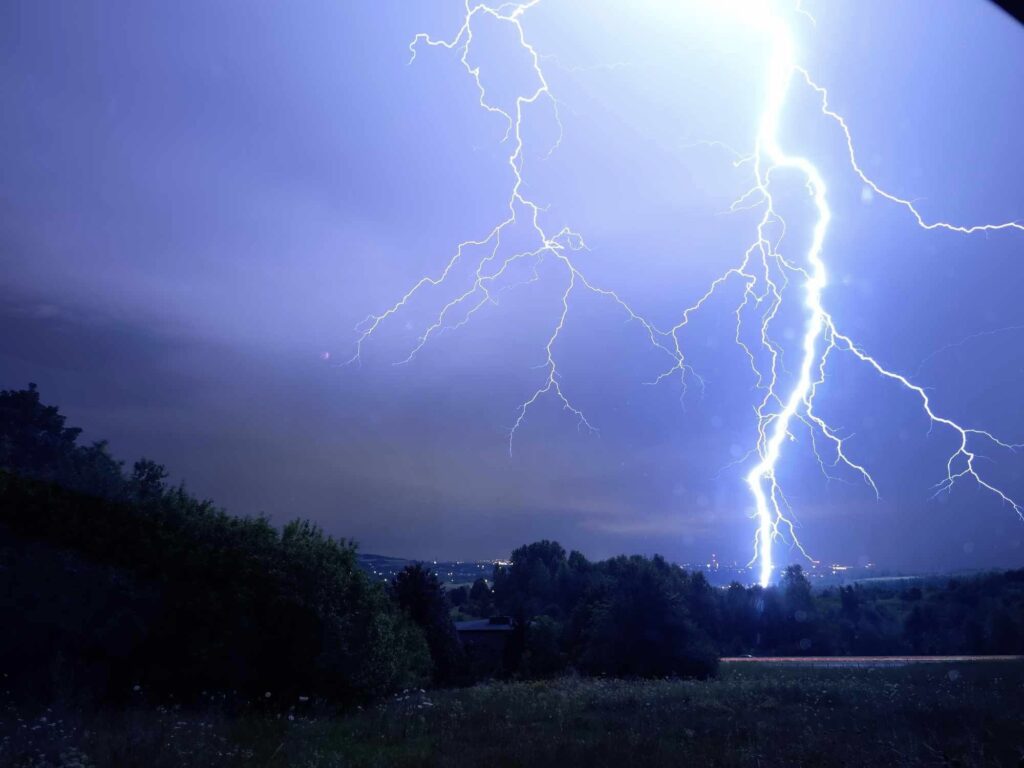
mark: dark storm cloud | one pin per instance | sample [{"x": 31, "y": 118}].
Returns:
[
  {"x": 200, "y": 200},
  {"x": 260, "y": 433}
]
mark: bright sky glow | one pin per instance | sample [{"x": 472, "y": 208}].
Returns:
[
  {"x": 768, "y": 273},
  {"x": 664, "y": 217}
]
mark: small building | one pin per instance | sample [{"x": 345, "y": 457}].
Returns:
[{"x": 486, "y": 642}]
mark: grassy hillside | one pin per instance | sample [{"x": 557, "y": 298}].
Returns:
[{"x": 930, "y": 715}]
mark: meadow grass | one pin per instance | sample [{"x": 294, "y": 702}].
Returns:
[{"x": 926, "y": 715}]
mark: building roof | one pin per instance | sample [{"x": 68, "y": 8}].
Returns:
[{"x": 493, "y": 624}]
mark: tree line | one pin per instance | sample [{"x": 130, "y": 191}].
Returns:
[
  {"x": 118, "y": 580},
  {"x": 645, "y": 616}
]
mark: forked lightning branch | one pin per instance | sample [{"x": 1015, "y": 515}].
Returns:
[{"x": 764, "y": 272}]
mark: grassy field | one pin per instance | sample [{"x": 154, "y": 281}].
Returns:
[{"x": 934, "y": 715}]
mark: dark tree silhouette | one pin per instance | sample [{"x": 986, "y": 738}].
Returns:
[
  {"x": 420, "y": 595},
  {"x": 171, "y": 592}
]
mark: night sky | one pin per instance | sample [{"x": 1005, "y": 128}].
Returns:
[{"x": 199, "y": 202}]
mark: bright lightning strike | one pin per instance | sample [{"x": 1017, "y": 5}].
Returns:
[{"x": 764, "y": 271}]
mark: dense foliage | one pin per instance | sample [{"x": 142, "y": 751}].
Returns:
[
  {"x": 647, "y": 617},
  {"x": 475, "y": 600},
  {"x": 630, "y": 616},
  {"x": 122, "y": 581},
  {"x": 979, "y": 614},
  {"x": 419, "y": 593},
  {"x": 119, "y": 581}
]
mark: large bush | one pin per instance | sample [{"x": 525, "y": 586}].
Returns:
[
  {"x": 421, "y": 597},
  {"x": 188, "y": 598}
]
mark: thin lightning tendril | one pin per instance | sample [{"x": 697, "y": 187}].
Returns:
[{"x": 763, "y": 271}]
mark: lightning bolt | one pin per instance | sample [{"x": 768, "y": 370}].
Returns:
[{"x": 768, "y": 276}]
